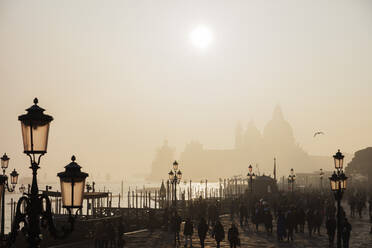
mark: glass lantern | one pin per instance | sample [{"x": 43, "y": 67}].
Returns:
[
  {"x": 343, "y": 180},
  {"x": 72, "y": 185},
  {"x": 175, "y": 166},
  {"x": 4, "y": 161},
  {"x": 35, "y": 129},
  {"x": 171, "y": 175},
  {"x": 14, "y": 177},
  {"x": 339, "y": 160},
  {"x": 334, "y": 182},
  {"x": 179, "y": 175}
]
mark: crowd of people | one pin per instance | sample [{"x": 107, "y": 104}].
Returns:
[
  {"x": 313, "y": 213},
  {"x": 291, "y": 213}
]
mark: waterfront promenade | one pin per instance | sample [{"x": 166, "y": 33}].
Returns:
[{"x": 360, "y": 238}]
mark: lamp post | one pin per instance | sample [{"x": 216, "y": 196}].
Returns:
[
  {"x": 175, "y": 177},
  {"x": 321, "y": 174},
  {"x": 4, "y": 185},
  {"x": 292, "y": 179},
  {"x": 251, "y": 177},
  {"x": 338, "y": 185},
  {"x": 35, "y": 129}
]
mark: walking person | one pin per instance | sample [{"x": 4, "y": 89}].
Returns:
[
  {"x": 310, "y": 221},
  {"x": 202, "y": 231},
  {"x": 280, "y": 226},
  {"x": 233, "y": 236},
  {"x": 218, "y": 233},
  {"x": 176, "y": 227},
  {"x": 331, "y": 225},
  {"x": 291, "y": 221},
  {"x": 188, "y": 231},
  {"x": 346, "y": 230}
]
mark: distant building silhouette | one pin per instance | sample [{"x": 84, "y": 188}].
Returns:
[
  {"x": 163, "y": 161},
  {"x": 277, "y": 140}
]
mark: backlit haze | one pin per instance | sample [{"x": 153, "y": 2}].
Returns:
[{"x": 120, "y": 77}]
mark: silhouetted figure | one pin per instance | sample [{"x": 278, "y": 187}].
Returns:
[
  {"x": 290, "y": 221},
  {"x": 301, "y": 216},
  {"x": 331, "y": 226},
  {"x": 176, "y": 226},
  {"x": 268, "y": 221},
  {"x": 310, "y": 221},
  {"x": 243, "y": 214},
  {"x": 218, "y": 233},
  {"x": 280, "y": 226},
  {"x": 345, "y": 234},
  {"x": 202, "y": 231},
  {"x": 233, "y": 236},
  {"x": 188, "y": 231},
  {"x": 151, "y": 221},
  {"x": 318, "y": 219}
]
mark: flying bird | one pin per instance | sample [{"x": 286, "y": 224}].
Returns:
[{"x": 318, "y": 133}]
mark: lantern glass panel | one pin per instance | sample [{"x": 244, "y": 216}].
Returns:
[
  {"x": 72, "y": 194},
  {"x": 179, "y": 175},
  {"x": 36, "y": 136},
  {"x": 337, "y": 163},
  {"x": 14, "y": 179},
  {"x": 4, "y": 163},
  {"x": 333, "y": 186},
  {"x": 171, "y": 175},
  {"x": 175, "y": 166},
  {"x": 343, "y": 184}
]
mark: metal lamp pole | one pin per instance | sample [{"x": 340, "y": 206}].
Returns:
[
  {"x": 338, "y": 185},
  {"x": 5, "y": 186},
  {"x": 291, "y": 179},
  {"x": 251, "y": 177},
  {"x": 175, "y": 177}
]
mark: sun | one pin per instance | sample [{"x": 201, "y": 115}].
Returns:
[{"x": 201, "y": 37}]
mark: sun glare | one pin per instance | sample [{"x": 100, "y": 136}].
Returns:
[{"x": 201, "y": 37}]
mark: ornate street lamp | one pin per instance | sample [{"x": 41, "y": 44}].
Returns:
[
  {"x": 338, "y": 185},
  {"x": 251, "y": 176},
  {"x": 4, "y": 185},
  {"x": 175, "y": 177},
  {"x": 292, "y": 179},
  {"x": 37, "y": 207}
]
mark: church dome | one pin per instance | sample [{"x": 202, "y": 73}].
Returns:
[{"x": 278, "y": 131}]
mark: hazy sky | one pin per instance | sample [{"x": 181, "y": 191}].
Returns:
[{"x": 120, "y": 76}]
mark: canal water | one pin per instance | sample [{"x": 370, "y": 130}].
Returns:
[{"x": 198, "y": 189}]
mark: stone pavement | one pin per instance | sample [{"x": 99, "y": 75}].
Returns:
[{"x": 360, "y": 238}]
